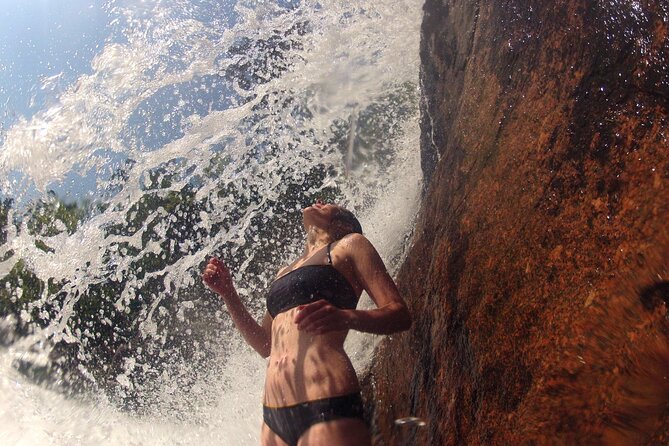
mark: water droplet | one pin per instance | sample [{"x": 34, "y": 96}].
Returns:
[{"x": 410, "y": 421}]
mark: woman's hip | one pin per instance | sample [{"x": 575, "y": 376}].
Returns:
[{"x": 292, "y": 422}]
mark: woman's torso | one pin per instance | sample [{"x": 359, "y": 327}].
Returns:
[{"x": 304, "y": 366}]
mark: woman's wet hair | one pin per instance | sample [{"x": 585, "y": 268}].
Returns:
[{"x": 345, "y": 216}]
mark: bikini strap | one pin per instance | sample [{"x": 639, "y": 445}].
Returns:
[{"x": 329, "y": 256}]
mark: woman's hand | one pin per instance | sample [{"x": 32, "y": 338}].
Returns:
[
  {"x": 321, "y": 317},
  {"x": 217, "y": 277}
]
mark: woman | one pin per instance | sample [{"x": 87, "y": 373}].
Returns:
[{"x": 312, "y": 394}]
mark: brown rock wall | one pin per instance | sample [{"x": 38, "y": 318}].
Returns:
[{"x": 538, "y": 273}]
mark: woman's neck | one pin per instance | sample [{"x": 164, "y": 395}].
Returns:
[{"x": 316, "y": 239}]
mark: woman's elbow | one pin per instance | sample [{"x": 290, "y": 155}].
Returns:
[{"x": 264, "y": 353}]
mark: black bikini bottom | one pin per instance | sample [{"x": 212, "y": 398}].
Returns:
[{"x": 290, "y": 422}]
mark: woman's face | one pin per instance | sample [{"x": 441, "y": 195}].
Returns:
[{"x": 319, "y": 214}]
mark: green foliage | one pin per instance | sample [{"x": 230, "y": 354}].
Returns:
[
  {"x": 52, "y": 216},
  {"x": 17, "y": 289},
  {"x": 108, "y": 326},
  {"x": 39, "y": 244},
  {"x": 20, "y": 289},
  {"x": 5, "y": 207}
]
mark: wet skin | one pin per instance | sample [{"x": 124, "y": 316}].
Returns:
[
  {"x": 305, "y": 365},
  {"x": 305, "y": 344}
]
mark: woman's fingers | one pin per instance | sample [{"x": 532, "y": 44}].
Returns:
[
  {"x": 315, "y": 318},
  {"x": 327, "y": 324},
  {"x": 320, "y": 317},
  {"x": 210, "y": 272},
  {"x": 217, "y": 276},
  {"x": 211, "y": 269},
  {"x": 304, "y": 311},
  {"x": 217, "y": 263},
  {"x": 334, "y": 322}
]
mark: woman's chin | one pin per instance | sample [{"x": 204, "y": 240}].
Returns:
[{"x": 308, "y": 214}]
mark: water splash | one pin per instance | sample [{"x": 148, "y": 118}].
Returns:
[
  {"x": 201, "y": 128},
  {"x": 410, "y": 421}
]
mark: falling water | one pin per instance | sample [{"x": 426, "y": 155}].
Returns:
[{"x": 201, "y": 128}]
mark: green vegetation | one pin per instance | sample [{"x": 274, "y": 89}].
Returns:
[{"x": 51, "y": 217}]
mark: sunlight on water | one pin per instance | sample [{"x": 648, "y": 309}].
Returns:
[{"x": 201, "y": 129}]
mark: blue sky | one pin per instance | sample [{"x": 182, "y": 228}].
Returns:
[
  {"x": 56, "y": 40},
  {"x": 41, "y": 39}
]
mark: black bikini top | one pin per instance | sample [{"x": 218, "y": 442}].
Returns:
[{"x": 308, "y": 284}]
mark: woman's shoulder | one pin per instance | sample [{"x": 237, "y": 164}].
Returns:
[
  {"x": 352, "y": 238},
  {"x": 354, "y": 242}
]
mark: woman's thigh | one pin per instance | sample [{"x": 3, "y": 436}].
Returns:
[
  {"x": 343, "y": 432},
  {"x": 269, "y": 438}
]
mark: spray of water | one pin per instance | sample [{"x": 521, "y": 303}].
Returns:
[{"x": 202, "y": 129}]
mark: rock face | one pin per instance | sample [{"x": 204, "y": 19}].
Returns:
[{"x": 539, "y": 274}]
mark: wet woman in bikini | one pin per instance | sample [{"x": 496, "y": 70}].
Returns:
[{"x": 312, "y": 394}]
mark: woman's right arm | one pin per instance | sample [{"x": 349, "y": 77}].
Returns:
[{"x": 218, "y": 278}]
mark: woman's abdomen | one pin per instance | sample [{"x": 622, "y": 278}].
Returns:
[{"x": 304, "y": 367}]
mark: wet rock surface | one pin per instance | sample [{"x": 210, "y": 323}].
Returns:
[{"x": 539, "y": 271}]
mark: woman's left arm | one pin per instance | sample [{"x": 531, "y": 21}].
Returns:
[{"x": 391, "y": 314}]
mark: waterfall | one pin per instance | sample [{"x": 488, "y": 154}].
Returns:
[{"x": 198, "y": 128}]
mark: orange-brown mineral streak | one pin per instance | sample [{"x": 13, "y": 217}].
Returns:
[{"x": 539, "y": 271}]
